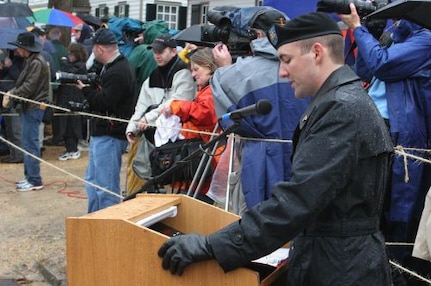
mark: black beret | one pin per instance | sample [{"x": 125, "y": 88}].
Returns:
[
  {"x": 303, "y": 27},
  {"x": 104, "y": 37}
]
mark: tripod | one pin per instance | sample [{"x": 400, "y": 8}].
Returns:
[{"x": 204, "y": 165}]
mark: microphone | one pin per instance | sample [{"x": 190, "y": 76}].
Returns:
[{"x": 262, "y": 107}]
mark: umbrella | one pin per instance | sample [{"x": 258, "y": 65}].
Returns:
[
  {"x": 90, "y": 19},
  {"x": 14, "y": 22},
  {"x": 193, "y": 34},
  {"x": 56, "y": 17},
  {"x": 416, "y": 11},
  {"x": 13, "y": 9},
  {"x": 9, "y": 35}
]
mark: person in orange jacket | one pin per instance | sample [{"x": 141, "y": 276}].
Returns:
[{"x": 199, "y": 114}]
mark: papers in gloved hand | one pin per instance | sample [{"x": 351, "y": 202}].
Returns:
[{"x": 275, "y": 258}]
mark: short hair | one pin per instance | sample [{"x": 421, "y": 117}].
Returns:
[
  {"x": 55, "y": 34},
  {"x": 79, "y": 51},
  {"x": 334, "y": 43},
  {"x": 204, "y": 57}
]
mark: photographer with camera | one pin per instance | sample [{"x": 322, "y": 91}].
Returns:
[
  {"x": 69, "y": 94},
  {"x": 114, "y": 97},
  {"x": 403, "y": 70},
  {"x": 245, "y": 82}
]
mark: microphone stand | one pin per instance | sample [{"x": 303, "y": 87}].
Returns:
[{"x": 152, "y": 182}]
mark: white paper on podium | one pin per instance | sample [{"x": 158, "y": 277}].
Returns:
[
  {"x": 152, "y": 219},
  {"x": 274, "y": 258}
]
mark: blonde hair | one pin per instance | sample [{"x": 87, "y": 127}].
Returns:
[{"x": 204, "y": 57}]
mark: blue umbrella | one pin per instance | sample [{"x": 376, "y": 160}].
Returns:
[
  {"x": 14, "y": 22},
  {"x": 9, "y": 35}
]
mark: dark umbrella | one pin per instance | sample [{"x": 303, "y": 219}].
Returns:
[
  {"x": 13, "y": 9},
  {"x": 89, "y": 19},
  {"x": 9, "y": 35},
  {"x": 417, "y": 11},
  {"x": 14, "y": 22}
]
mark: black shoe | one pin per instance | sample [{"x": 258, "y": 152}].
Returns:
[{"x": 11, "y": 160}]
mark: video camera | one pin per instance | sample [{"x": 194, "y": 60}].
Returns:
[
  {"x": 363, "y": 7},
  {"x": 230, "y": 25},
  {"x": 342, "y": 6},
  {"x": 65, "y": 77},
  {"x": 222, "y": 31}
]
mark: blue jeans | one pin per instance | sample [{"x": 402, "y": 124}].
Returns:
[
  {"x": 104, "y": 166},
  {"x": 30, "y": 122}
]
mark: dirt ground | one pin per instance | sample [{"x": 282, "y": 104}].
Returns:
[{"x": 32, "y": 224}]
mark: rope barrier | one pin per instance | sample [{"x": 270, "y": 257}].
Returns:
[
  {"x": 412, "y": 273},
  {"x": 59, "y": 169}
]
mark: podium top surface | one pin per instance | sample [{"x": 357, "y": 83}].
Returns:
[{"x": 137, "y": 208}]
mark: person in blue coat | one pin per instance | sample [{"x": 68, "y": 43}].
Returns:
[
  {"x": 245, "y": 82},
  {"x": 404, "y": 69}
]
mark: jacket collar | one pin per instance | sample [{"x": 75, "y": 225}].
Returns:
[{"x": 340, "y": 76}]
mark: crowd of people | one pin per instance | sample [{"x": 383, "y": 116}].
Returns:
[{"x": 318, "y": 171}]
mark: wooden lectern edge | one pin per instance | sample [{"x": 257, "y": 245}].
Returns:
[{"x": 80, "y": 237}]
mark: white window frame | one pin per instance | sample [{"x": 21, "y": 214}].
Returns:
[
  {"x": 164, "y": 12},
  {"x": 122, "y": 9},
  {"x": 204, "y": 10}
]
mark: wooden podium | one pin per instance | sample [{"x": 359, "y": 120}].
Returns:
[{"x": 109, "y": 247}]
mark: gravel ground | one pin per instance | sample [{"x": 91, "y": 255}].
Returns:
[{"x": 32, "y": 224}]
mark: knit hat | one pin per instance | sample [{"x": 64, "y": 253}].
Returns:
[
  {"x": 303, "y": 27},
  {"x": 104, "y": 37}
]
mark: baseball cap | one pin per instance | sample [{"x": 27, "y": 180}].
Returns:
[
  {"x": 104, "y": 37},
  {"x": 162, "y": 42},
  {"x": 38, "y": 31}
]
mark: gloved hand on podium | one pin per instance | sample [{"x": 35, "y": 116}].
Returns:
[{"x": 180, "y": 251}]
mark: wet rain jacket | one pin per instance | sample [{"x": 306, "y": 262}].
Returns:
[
  {"x": 333, "y": 201},
  {"x": 405, "y": 67},
  {"x": 242, "y": 84}
]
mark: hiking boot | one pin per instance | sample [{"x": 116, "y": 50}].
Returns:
[{"x": 27, "y": 187}]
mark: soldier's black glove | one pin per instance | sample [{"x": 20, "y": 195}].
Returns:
[{"x": 180, "y": 251}]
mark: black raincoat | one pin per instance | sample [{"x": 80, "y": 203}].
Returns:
[{"x": 332, "y": 204}]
